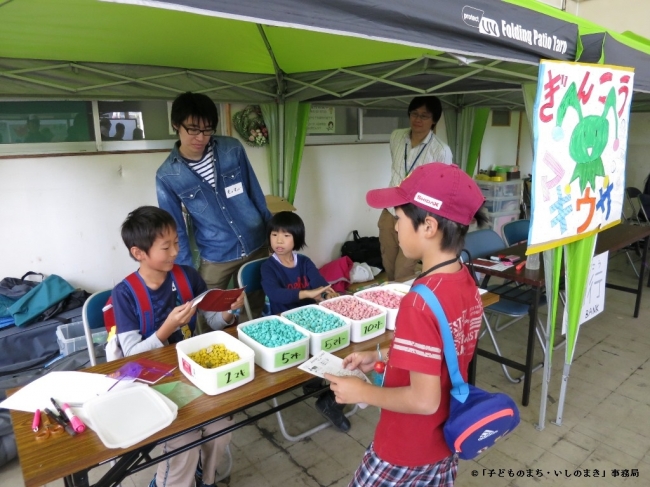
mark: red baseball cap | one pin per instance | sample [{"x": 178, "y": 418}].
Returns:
[{"x": 442, "y": 189}]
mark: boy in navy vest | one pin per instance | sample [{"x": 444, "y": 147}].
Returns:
[{"x": 150, "y": 235}]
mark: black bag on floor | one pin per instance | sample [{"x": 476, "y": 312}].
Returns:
[
  {"x": 11, "y": 378},
  {"x": 363, "y": 249}
]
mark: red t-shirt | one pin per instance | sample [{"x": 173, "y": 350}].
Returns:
[{"x": 413, "y": 439}]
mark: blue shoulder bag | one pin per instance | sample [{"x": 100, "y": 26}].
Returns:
[{"x": 477, "y": 418}]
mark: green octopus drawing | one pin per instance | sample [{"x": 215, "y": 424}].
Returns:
[{"x": 589, "y": 137}]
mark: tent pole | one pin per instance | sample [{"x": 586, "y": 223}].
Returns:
[{"x": 281, "y": 148}]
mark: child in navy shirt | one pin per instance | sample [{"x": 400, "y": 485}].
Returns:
[
  {"x": 291, "y": 280},
  {"x": 150, "y": 235}
]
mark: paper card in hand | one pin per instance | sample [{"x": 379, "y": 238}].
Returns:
[{"x": 217, "y": 299}]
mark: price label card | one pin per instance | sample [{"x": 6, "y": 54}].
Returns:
[
  {"x": 235, "y": 374},
  {"x": 335, "y": 342},
  {"x": 292, "y": 356},
  {"x": 373, "y": 326}
]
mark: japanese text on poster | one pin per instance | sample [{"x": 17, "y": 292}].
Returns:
[
  {"x": 581, "y": 119},
  {"x": 321, "y": 120}
]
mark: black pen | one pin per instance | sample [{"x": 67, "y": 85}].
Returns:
[
  {"x": 60, "y": 411},
  {"x": 57, "y": 419}
]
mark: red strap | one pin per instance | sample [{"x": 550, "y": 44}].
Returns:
[
  {"x": 182, "y": 284},
  {"x": 143, "y": 302}
]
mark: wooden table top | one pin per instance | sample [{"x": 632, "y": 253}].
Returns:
[
  {"x": 620, "y": 236},
  {"x": 56, "y": 457},
  {"x": 612, "y": 239}
]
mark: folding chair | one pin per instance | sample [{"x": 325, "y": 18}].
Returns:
[
  {"x": 644, "y": 202},
  {"x": 483, "y": 243},
  {"x": 92, "y": 317},
  {"x": 250, "y": 275},
  {"x": 631, "y": 196},
  {"x": 515, "y": 232},
  {"x": 635, "y": 199}
]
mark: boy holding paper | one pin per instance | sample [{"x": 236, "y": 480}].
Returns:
[{"x": 150, "y": 235}]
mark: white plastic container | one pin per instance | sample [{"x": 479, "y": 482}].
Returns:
[
  {"x": 498, "y": 220},
  {"x": 220, "y": 379},
  {"x": 500, "y": 189},
  {"x": 127, "y": 416},
  {"x": 71, "y": 337},
  {"x": 391, "y": 313},
  {"x": 363, "y": 330},
  {"x": 502, "y": 204},
  {"x": 329, "y": 341},
  {"x": 278, "y": 358},
  {"x": 398, "y": 287}
]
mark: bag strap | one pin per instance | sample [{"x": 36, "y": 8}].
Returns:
[
  {"x": 32, "y": 273},
  {"x": 143, "y": 301},
  {"x": 355, "y": 235},
  {"x": 460, "y": 389},
  {"x": 182, "y": 283},
  {"x": 183, "y": 286}
]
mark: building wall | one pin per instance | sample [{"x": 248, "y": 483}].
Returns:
[{"x": 619, "y": 15}]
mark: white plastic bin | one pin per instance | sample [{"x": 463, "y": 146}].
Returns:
[
  {"x": 278, "y": 358},
  {"x": 329, "y": 341},
  {"x": 71, "y": 337},
  {"x": 498, "y": 220},
  {"x": 220, "y": 379},
  {"x": 391, "y": 313},
  {"x": 363, "y": 330},
  {"x": 501, "y": 189}
]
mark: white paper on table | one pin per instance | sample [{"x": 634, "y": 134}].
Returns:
[
  {"x": 69, "y": 387},
  {"x": 482, "y": 291},
  {"x": 493, "y": 267}
]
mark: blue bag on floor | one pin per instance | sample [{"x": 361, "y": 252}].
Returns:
[
  {"x": 477, "y": 418},
  {"x": 51, "y": 291}
]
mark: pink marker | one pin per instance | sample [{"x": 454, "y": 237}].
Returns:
[
  {"x": 36, "y": 422},
  {"x": 77, "y": 424}
]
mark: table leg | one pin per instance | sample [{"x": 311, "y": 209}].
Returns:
[
  {"x": 79, "y": 479},
  {"x": 640, "y": 287},
  {"x": 530, "y": 347}
]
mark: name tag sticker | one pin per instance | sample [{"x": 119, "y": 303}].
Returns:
[{"x": 234, "y": 190}]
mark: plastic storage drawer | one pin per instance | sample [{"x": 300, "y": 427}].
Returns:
[{"x": 71, "y": 337}]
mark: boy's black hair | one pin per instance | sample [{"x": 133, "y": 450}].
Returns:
[
  {"x": 290, "y": 223},
  {"x": 144, "y": 225},
  {"x": 431, "y": 103},
  {"x": 195, "y": 106},
  {"x": 453, "y": 234}
]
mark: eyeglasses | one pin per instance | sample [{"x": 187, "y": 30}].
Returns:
[
  {"x": 422, "y": 116},
  {"x": 194, "y": 131}
]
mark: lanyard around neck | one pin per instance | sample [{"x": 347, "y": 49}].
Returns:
[
  {"x": 408, "y": 171},
  {"x": 437, "y": 266}
]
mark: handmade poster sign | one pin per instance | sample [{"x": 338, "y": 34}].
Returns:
[{"x": 581, "y": 119}]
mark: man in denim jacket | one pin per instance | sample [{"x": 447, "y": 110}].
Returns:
[{"x": 212, "y": 178}]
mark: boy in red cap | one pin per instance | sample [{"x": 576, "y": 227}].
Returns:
[{"x": 434, "y": 207}]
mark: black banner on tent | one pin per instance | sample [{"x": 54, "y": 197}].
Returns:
[
  {"x": 486, "y": 28},
  {"x": 602, "y": 47}
]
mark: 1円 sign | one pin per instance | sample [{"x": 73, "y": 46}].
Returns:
[{"x": 580, "y": 124}]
